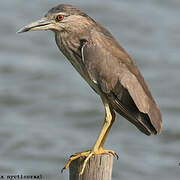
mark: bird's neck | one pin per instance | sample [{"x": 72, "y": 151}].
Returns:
[
  {"x": 73, "y": 33},
  {"x": 70, "y": 41},
  {"x": 67, "y": 43},
  {"x": 70, "y": 46}
]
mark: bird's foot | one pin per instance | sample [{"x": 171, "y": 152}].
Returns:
[{"x": 87, "y": 154}]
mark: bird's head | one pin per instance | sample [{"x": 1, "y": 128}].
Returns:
[{"x": 60, "y": 18}]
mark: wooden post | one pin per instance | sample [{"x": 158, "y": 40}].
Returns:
[{"x": 99, "y": 167}]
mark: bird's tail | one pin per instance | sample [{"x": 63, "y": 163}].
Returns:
[{"x": 147, "y": 123}]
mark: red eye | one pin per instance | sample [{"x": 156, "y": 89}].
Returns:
[{"x": 59, "y": 18}]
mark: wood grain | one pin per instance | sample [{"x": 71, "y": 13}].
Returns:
[{"x": 99, "y": 167}]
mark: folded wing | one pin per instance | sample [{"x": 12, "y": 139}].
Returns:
[{"x": 119, "y": 79}]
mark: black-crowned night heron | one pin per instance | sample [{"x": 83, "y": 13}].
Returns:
[{"x": 106, "y": 67}]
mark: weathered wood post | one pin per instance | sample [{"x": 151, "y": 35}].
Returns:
[{"x": 99, "y": 167}]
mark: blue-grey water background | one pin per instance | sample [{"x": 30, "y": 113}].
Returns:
[{"x": 47, "y": 112}]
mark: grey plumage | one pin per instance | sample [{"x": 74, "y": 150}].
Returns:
[
  {"x": 110, "y": 72},
  {"x": 106, "y": 67},
  {"x": 104, "y": 64}
]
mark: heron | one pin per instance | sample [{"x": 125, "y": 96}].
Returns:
[{"x": 106, "y": 67}]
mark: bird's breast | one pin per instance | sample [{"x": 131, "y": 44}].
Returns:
[{"x": 73, "y": 52}]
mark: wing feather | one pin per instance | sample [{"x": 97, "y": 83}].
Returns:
[{"x": 119, "y": 79}]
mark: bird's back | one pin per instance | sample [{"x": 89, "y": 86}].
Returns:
[
  {"x": 120, "y": 81},
  {"x": 109, "y": 70}
]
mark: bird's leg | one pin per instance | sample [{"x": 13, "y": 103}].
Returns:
[
  {"x": 107, "y": 132},
  {"x": 108, "y": 122},
  {"x": 98, "y": 147}
]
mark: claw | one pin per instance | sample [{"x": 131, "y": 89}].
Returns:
[
  {"x": 87, "y": 154},
  {"x": 117, "y": 156},
  {"x": 71, "y": 155},
  {"x": 114, "y": 154},
  {"x": 62, "y": 169}
]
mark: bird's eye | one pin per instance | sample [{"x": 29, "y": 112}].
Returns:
[{"x": 59, "y": 18}]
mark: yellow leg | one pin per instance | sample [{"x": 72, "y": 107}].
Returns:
[
  {"x": 98, "y": 147},
  {"x": 109, "y": 119},
  {"x": 107, "y": 132},
  {"x": 110, "y": 114}
]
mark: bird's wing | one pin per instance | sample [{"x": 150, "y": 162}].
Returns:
[{"x": 119, "y": 78}]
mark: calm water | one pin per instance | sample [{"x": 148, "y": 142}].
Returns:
[{"x": 47, "y": 112}]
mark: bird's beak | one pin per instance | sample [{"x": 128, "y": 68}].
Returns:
[{"x": 42, "y": 24}]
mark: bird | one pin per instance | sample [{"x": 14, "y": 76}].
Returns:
[{"x": 106, "y": 67}]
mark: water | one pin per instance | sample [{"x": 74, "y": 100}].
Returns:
[{"x": 48, "y": 112}]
